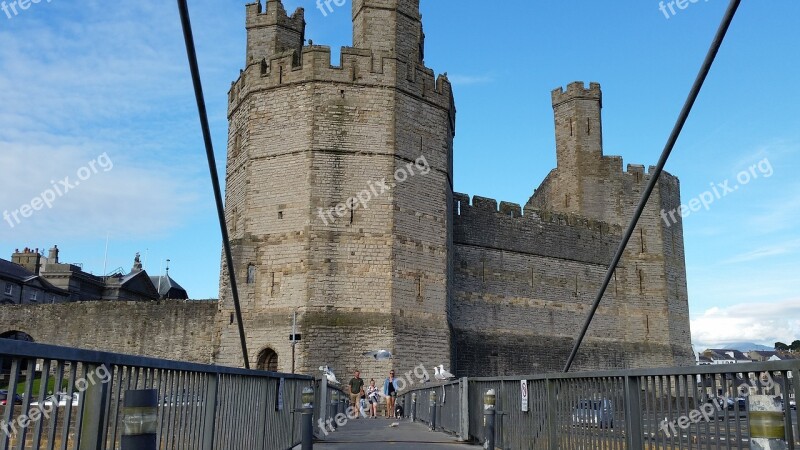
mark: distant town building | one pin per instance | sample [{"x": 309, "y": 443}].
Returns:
[
  {"x": 725, "y": 356},
  {"x": 30, "y": 277},
  {"x": 22, "y": 286}
]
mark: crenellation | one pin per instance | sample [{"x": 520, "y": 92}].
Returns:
[
  {"x": 577, "y": 91},
  {"x": 357, "y": 67}
]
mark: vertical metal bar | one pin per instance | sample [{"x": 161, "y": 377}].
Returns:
[
  {"x": 58, "y": 380},
  {"x": 26, "y": 401},
  {"x": 787, "y": 411},
  {"x": 552, "y": 409},
  {"x": 94, "y": 400},
  {"x": 796, "y": 385},
  {"x": 463, "y": 409},
  {"x": 116, "y": 394},
  {"x": 210, "y": 412},
  {"x": 43, "y": 382},
  {"x": 68, "y": 421},
  {"x": 12, "y": 389}
]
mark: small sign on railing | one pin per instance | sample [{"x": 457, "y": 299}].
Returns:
[{"x": 524, "y": 394}]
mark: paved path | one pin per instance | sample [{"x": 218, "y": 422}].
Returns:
[{"x": 376, "y": 434}]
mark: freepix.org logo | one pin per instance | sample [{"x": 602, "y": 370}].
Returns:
[
  {"x": 326, "y": 6},
  {"x": 15, "y": 7},
  {"x": 57, "y": 190}
]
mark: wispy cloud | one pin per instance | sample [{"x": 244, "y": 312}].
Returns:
[
  {"x": 764, "y": 252},
  {"x": 762, "y": 323}
]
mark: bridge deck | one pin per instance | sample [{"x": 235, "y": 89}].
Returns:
[{"x": 365, "y": 434}]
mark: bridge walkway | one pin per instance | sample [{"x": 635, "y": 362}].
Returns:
[{"x": 374, "y": 434}]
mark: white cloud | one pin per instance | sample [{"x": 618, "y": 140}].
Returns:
[{"x": 761, "y": 323}]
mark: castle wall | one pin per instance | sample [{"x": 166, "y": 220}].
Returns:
[
  {"x": 174, "y": 330},
  {"x": 524, "y": 284}
]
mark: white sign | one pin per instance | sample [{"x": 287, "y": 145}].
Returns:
[{"x": 524, "y": 390}]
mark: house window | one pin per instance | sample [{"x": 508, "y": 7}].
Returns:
[
  {"x": 9, "y": 289},
  {"x": 34, "y": 296},
  {"x": 51, "y": 298}
]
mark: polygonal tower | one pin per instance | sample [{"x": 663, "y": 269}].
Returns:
[{"x": 339, "y": 196}]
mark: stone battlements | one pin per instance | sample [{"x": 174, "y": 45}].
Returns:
[
  {"x": 577, "y": 90},
  {"x": 487, "y": 208},
  {"x": 357, "y": 67},
  {"x": 275, "y": 14}
]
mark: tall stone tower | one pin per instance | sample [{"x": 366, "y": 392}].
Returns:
[{"x": 339, "y": 196}]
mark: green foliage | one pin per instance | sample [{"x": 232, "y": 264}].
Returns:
[
  {"x": 781, "y": 347},
  {"x": 37, "y": 384}
]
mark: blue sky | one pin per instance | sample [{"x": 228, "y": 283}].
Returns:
[{"x": 82, "y": 80}]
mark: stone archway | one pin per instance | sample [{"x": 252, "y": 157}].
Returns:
[
  {"x": 267, "y": 360},
  {"x": 14, "y": 335}
]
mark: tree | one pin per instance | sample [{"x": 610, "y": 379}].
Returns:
[
  {"x": 795, "y": 346},
  {"x": 781, "y": 347}
]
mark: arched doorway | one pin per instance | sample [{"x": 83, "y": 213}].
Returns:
[{"x": 267, "y": 360}]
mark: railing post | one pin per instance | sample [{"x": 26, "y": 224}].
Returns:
[
  {"x": 633, "y": 412},
  {"x": 463, "y": 410},
  {"x": 413, "y": 406},
  {"x": 767, "y": 427},
  {"x": 95, "y": 399},
  {"x": 307, "y": 419},
  {"x": 433, "y": 409},
  {"x": 211, "y": 412},
  {"x": 324, "y": 409},
  {"x": 552, "y": 415},
  {"x": 489, "y": 402}
]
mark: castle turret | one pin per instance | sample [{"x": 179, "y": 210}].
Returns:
[
  {"x": 272, "y": 32},
  {"x": 393, "y": 26},
  {"x": 579, "y": 132}
]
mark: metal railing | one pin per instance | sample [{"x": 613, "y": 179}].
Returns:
[
  {"x": 73, "y": 400},
  {"x": 675, "y": 408},
  {"x": 449, "y": 402}
]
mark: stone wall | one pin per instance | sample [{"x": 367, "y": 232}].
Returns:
[{"x": 174, "y": 330}]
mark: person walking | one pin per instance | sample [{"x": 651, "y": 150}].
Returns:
[
  {"x": 373, "y": 398},
  {"x": 390, "y": 392},
  {"x": 356, "y": 390}
]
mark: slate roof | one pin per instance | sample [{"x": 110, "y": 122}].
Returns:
[
  {"x": 166, "y": 285},
  {"x": 15, "y": 271}
]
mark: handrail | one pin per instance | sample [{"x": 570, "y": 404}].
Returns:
[{"x": 25, "y": 349}]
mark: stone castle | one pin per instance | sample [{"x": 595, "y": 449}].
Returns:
[
  {"x": 342, "y": 214},
  {"x": 432, "y": 275}
]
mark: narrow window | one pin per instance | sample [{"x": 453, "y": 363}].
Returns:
[
  {"x": 571, "y": 131},
  {"x": 589, "y": 126},
  {"x": 34, "y": 296},
  {"x": 251, "y": 274},
  {"x": 280, "y": 214},
  {"x": 9, "y": 288},
  {"x": 263, "y": 67}
]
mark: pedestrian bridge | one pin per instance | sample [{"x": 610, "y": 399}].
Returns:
[{"x": 70, "y": 399}]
